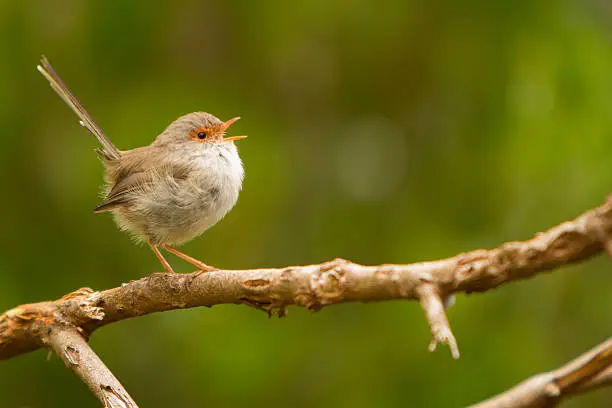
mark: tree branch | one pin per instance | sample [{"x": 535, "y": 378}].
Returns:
[
  {"x": 591, "y": 370},
  {"x": 23, "y": 328},
  {"x": 74, "y": 351},
  {"x": 316, "y": 286}
]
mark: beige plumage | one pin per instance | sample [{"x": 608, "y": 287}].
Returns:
[{"x": 172, "y": 190}]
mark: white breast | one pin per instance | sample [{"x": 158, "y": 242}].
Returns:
[
  {"x": 214, "y": 186},
  {"x": 177, "y": 210}
]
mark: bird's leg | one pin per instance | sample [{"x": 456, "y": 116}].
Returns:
[
  {"x": 198, "y": 264},
  {"x": 161, "y": 258}
]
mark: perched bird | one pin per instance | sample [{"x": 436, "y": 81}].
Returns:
[{"x": 173, "y": 190}]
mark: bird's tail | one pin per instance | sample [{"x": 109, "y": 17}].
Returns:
[{"x": 108, "y": 150}]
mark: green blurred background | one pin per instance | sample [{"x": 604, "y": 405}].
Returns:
[{"x": 380, "y": 131}]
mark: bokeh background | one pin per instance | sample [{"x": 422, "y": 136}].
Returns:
[{"x": 380, "y": 131}]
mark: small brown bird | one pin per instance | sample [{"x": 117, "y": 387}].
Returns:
[{"x": 173, "y": 190}]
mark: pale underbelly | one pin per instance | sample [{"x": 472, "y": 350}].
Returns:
[{"x": 174, "y": 219}]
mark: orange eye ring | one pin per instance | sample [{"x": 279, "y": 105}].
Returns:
[{"x": 200, "y": 134}]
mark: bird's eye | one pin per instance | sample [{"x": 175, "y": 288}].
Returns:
[{"x": 202, "y": 135}]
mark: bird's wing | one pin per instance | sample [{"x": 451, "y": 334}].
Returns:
[
  {"x": 130, "y": 182},
  {"x": 120, "y": 193}
]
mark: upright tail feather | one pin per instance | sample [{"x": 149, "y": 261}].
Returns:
[{"x": 109, "y": 151}]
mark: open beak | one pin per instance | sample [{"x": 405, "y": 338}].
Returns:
[
  {"x": 227, "y": 125},
  {"x": 233, "y": 138}
]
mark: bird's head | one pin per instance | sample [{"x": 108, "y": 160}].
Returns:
[{"x": 197, "y": 128}]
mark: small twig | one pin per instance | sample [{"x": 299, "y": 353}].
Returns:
[
  {"x": 436, "y": 316},
  {"x": 591, "y": 370},
  {"x": 74, "y": 351}
]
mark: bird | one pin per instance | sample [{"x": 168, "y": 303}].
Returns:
[{"x": 174, "y": 189}]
